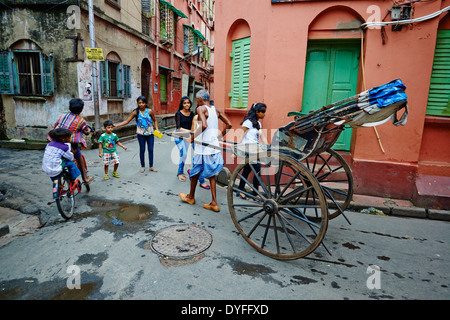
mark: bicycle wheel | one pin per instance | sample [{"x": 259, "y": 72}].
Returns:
[
  {"x": 66, "y": 199},
  {"x": 275, "y": 223},
  {"x": 88, "y": 187}
]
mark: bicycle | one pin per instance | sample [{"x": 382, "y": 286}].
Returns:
[{"x": 65, "y": 190}]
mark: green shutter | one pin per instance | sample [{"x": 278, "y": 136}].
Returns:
[
  {"x": 104, "y": 78},
  {"x": 186, "y": 32},
  {"x": 147, "y": 8},
  {"x": 163, "y": 87},
  {"x": 126, "y": 82},
  {"x": 47, "y": 78},
  {"x": 439, "y": 94},
  {"x": 6, "y": 76},
  {"x": 120, "y": 80},
  {"x": 240, "y": 71}
]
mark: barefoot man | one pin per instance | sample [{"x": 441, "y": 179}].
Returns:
[{"x": 207, "y": 159}]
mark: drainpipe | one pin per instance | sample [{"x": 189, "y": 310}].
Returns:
[
  {"x": 94, "y": 65},
  {"x": 157, "y": 37}
]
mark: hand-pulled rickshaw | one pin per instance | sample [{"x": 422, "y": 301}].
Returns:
[{"x": 303, "y": 183}]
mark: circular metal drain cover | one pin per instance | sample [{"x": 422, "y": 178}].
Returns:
[{"x": 181, "y": 241}]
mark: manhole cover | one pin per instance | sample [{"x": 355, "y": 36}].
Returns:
[{"x": 181, "y": 241}]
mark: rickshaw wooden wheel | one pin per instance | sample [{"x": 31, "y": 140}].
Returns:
[
  {"x": 336, "y": 179},
  {"x": 272, "y": 218}
]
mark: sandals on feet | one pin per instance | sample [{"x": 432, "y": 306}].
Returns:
[
  {"x": 152, "y": 170},
  {"x": 115, "y": 174},
  {"x": 89, "y": 179},
  {"x": 184, "y": 197},
  {"x": 208, "y": 206},
  {"x": 241, "y": 195}
]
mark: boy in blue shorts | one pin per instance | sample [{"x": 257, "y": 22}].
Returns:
[
  {"x": 107, "y": 149},
  {"x": 208, "y": 159}
]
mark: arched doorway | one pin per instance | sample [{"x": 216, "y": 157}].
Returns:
[
  {"x": 146, "y": 81},
  {"x": 332, "y": 62}
]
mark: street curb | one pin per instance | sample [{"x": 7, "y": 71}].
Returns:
[{"x": 22, "y": 144}]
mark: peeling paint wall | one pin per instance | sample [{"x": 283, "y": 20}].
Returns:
[{"x": 31, "y": 117}]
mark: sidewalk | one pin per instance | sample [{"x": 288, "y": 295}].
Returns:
[{"x": 396, "y": 207}]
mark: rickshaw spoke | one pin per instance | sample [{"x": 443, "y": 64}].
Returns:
[
  {"x": 251, "y": 186},
  {"x": 248, "y": 205},
  {"x": 276, "y": 234},
  {"x": 268, "y": 180},
  {"x": 294, "y": 194},
  {"x": 326, "y": 174},
  {"x": 260, "y": 180},
  {"x": 248, "y": 194},
  {"x": 277, "y": 182},
  {"x": 286, "y": 232},
  {"x": 336, "y": 191},
  {"x": 266, "y": 231},
  {"x": 256, "y": 225},
  {"x": 295, "y": 228},
  {"x": 304, "y": 219},
  {"x": 314, "y": 233},
  {"x": 287, "y": 185},
  {"x": 251, "y": 215},
  {"x": 328, "y": 194}
]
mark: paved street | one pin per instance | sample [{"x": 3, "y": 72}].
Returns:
[{"x": 376, "y": 257}]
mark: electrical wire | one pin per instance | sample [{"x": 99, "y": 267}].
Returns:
[{"x": 407, "y": 21}]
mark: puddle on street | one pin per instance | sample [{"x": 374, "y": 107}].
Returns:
[
  {"x": 76, "y": 294},
  {"x": 119, "y": 217},
  {"x": 123, "y": 211}
]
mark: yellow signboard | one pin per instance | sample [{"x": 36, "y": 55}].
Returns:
[{"x": 94, "y": 54}]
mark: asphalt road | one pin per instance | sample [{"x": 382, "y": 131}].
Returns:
[{"x": 376, "y": 257}]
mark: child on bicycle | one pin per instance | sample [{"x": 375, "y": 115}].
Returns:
[
  {"x": 58, "y": 155},
  {"x": 77, "y": 125},
  {"x": 107, "y": 149}
]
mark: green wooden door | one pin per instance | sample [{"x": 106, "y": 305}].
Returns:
[{"x": 331, "y": 74}]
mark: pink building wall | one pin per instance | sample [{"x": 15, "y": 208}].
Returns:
[{"x": 279, "y": 38}]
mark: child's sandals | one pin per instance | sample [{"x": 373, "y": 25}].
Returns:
[
  {"x": 115, "y": 174},
  {"x": 106, "y": 177}
]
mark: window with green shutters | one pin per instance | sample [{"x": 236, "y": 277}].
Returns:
[
  {"x": 439, "y": 94},
  {"x": 115, "y": 80},
  {"x": 26, "y": 72},
  {"x": 240, "y": 71},
  {"x": 192, "y": 40},
  {"x": 167, "y": 23}
]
